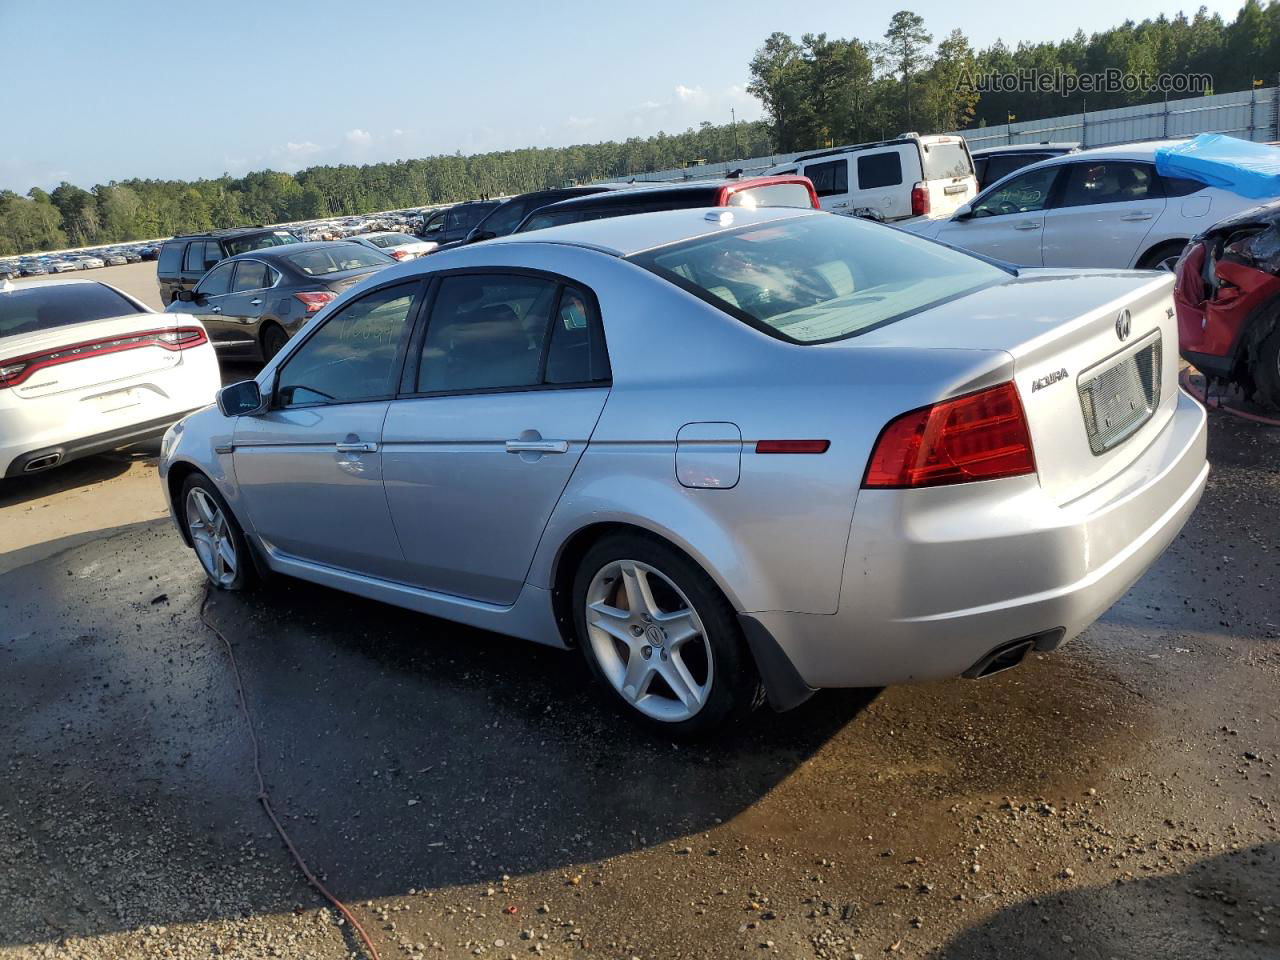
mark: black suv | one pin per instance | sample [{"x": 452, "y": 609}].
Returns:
[
  {"x": 184, "y": 260},
  {"x": 511, "y": 213},
  {"x": 454, "y": 223}
]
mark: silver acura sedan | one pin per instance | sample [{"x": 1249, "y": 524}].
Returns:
[{"x": 730, "y": 455}]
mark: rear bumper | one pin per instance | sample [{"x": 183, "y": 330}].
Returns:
[
  {"x": 26, "y": 462},
  {"x": 936, "y": 580}
]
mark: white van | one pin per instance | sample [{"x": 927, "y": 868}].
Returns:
[{"x": 911, "y": 176}]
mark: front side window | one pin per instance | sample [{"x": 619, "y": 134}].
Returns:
[
  {"x": 217, "y": 281},
  {"x": 1114, "y": 182},
  {"x": 251, "y": 275},
  {"x": 323, "y": 261},
  {"x": 877, "y": 170},
  {"x": 829, "y": 178},
  {"x": 817, "y": 278},
  {"x": 1027, "y": 193},
  {"x": 486, "y": 331},
  {"x": 434, "y": 225},
  {"x": 354, "y": 356}
]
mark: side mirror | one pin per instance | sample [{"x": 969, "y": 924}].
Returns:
[
  {"x": 240, "y": 399},
  {"x": 964, "y": 212},
  {"x": 187, "y": 296}
]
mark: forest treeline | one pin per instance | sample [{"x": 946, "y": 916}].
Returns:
[{"x": 815, "y": 90}]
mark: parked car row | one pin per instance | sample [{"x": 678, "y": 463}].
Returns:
[{"x": 38, "y": 266}]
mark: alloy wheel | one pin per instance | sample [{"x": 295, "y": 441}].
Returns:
[
  {"x": 211, "y": 536},
  {"x": 649, "y": 640}
]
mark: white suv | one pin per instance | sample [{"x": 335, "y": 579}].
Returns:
[
  {"x": 912, "y": 176},
  {"x": 1106, "y": 207}
]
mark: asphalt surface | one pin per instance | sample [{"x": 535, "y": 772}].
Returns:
[
  {"x": 472, "y": 795},
  {"x": 136, "y": 279}
]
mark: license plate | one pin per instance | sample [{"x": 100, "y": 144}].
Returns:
[{"x": 1117, "y": 401}]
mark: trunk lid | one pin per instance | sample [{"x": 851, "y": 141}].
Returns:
[
  {"x": 92, "y": 356},
  {"x": 1094, "y": 398}
]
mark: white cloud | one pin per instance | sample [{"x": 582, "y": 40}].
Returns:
[
  {"x": 689, "y": 94},
  {"x": 358, "y": 136},
  {"x": 397, "y": 132},
  {"x": 302, "y": 149}
]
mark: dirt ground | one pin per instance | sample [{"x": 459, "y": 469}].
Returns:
[{"x": 472, "y": 795}]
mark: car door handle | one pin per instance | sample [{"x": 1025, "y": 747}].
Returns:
[
  {"x": 838, "y": 205},
  {"x": 356, "y": 447},
  {"x": 1026, "y": 225},
  {"x": 537, "y": 446},
  {"x": 255, "y": 303},
  {"x": 215, "y": 309},
  {"x": 1134, "y": 217}
]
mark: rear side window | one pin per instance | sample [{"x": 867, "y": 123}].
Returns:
[
  {"x": 1115, "y": 182},
  {"x": 486, "y": 332},
  {"x": 1001, "y": 165},
  {"x": 879, "y": 170},
  {"x": 1180, "y": 186},
  {"x": 576, "y": 353},
  {"x": 170, "y": 264},
  {"x": 829, "y": 178},
  {"x": 944, "y": 161},
  {"x": 46, "y": 306},
  {"x": 251, "y": 275},
  {"x": 201, "y": 255},
  {"x": 815, "y": 278},
  {"x": 773, "y": 195}
]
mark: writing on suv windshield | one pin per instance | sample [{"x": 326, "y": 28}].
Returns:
[{"x": 820, "y": 277}]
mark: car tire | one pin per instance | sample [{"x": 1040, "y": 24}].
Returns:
[
  {"x": 273, "y": 340},
  {"x": 1163, "y": 257},
  {"x": 1265, "y": 371},
  {"x": 216, "y": 537},
  {"x": 661, "y": 637}
]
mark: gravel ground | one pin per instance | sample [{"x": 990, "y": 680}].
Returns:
[{"x": 470, "y": 795}]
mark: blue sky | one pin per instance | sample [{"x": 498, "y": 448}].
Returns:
[{"x": 101, "y": 91}]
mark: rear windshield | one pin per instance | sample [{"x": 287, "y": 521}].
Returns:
[
  {"x": 350, "y": 256},
  {"x": 942, "y": 161},
  {"x": 391, "y": 240},
  {"x": 43, "y": 307},
  {"x": 819, "y": 278},
  {"x": 773, "y": 195},
  {"x": 259, "y": 241}
]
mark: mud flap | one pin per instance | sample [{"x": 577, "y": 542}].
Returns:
[{"x": 783, "y": 685}]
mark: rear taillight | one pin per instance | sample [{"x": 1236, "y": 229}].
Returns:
[
  {"x": 980, "y": 436},
  {"x": 919, "y": 200},
  {"x": 316, "y": 300},
  {"x": 399, "y": 254},
  {"x": 16, "y": 370}
]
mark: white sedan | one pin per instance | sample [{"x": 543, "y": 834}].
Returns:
[
  {"x": 85, "y": 368},
  {"x": 1106, "y": 207},
  {"x": 401, "y": 246}
]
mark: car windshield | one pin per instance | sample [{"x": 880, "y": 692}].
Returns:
[
  {"x": 261, "y": 241},
  {"x": 819, "y": 277},
  {"x": 335, "y": 259},
  {"x": 942, "y": 161},
  {"x": 43, "y": 307}
]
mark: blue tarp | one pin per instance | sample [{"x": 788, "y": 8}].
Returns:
[{"x": 1249, "y": 169}]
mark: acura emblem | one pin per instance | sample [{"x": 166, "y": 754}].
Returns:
[{"x": 1124, "y": 324}]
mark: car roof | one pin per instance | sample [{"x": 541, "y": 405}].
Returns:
[
  {"x": 640, "y": 192},
  {"x": 286, "y": 249},
  {"x": 624, "y": 236},
  {"x": 1024, "y": 148},
  {"x": 1120, "y": 151}
]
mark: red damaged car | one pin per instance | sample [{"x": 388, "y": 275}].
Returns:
[{"x": 1228, "y": 299}]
